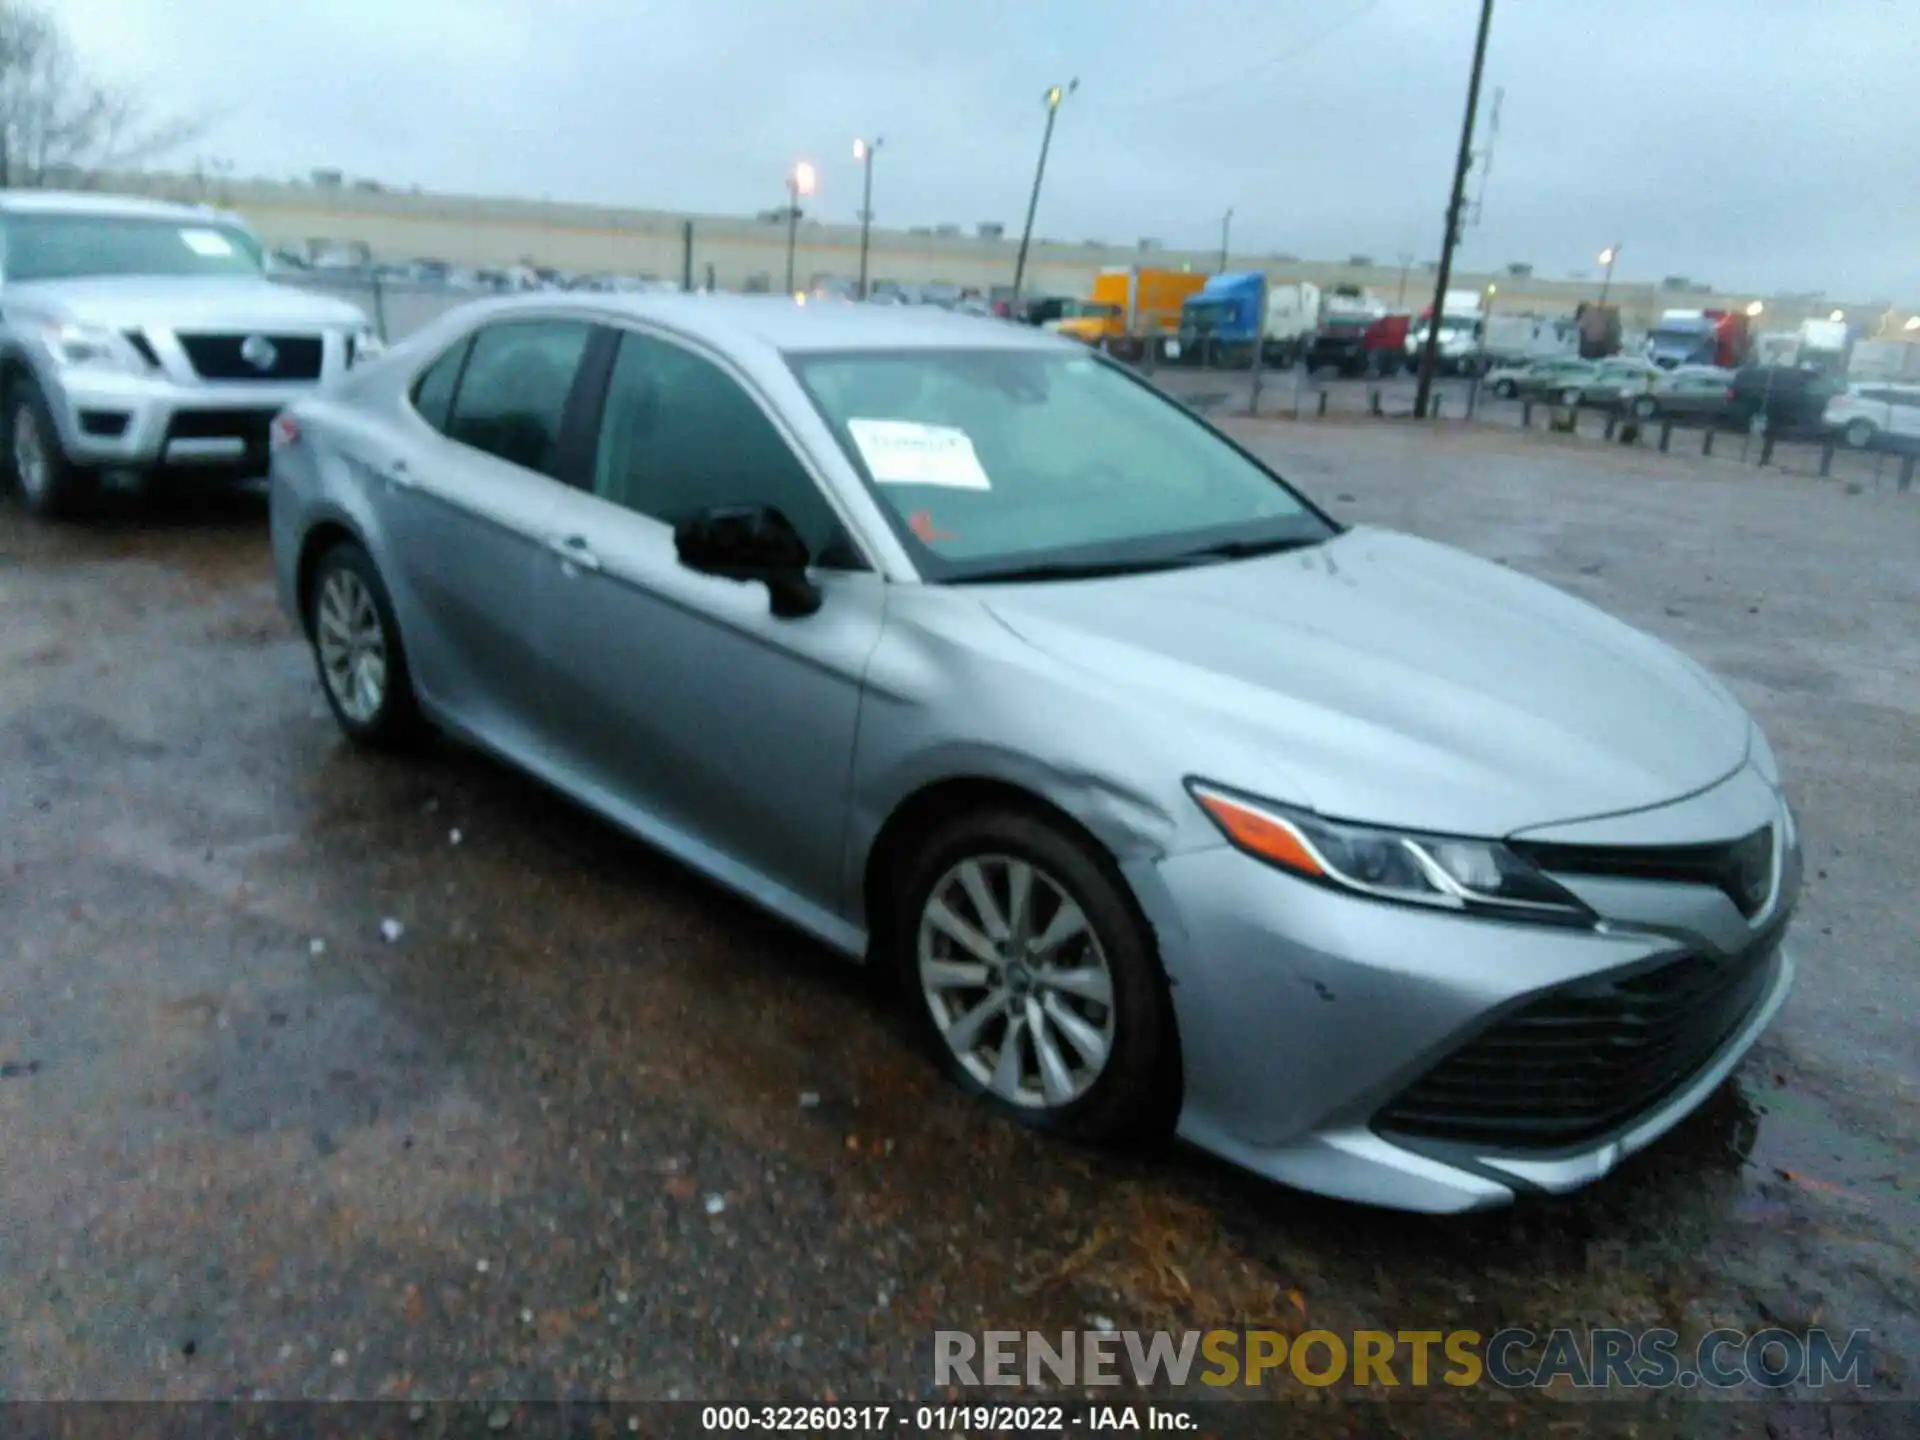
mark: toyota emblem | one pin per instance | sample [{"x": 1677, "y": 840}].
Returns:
[{"x": 259, "y": 352}]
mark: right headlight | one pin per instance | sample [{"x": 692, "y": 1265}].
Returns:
[
  {"x": 1443, "y": 872},
  {"x": 92, "y": 346}
]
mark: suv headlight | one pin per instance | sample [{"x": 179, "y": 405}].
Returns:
[
  {"x": 93, "y": 346},
  {"x": 1444, "y": 872},
  {"x": 364, "y": 345}
]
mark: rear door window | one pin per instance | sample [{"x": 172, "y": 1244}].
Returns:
[{"x": 512, "y": 396}]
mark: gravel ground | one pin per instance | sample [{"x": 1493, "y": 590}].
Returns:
[{"x": 324, "y": 1076}]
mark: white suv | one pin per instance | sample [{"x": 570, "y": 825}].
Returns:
[
  {"x": 1868, "y": 414},
  {"x": 140, "y": 337}
]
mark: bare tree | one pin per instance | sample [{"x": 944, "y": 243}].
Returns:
[{"x": 57, "y": 123}]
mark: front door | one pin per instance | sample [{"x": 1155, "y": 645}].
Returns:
[
  {"x": 690, "y": 710},
  {"x": 469, "y": 512}
]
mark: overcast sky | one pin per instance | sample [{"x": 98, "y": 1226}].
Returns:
[{"x": 1755, "y": 144}]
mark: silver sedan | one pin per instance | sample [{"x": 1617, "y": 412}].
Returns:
[{"x": 1173, "y": 803}]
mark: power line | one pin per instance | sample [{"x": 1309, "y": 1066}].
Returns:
[{"x": 1229, "y": 87}]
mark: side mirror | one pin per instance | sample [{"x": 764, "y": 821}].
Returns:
[{"x": 751, "y": 543}]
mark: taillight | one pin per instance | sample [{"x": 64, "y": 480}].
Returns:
[{"x": 284, "y": 432}]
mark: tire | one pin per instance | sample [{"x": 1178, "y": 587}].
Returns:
[
  {"x": 1859, "y": 433},
  {"x": 350, "y": 621},
  {"x": 1570, "y": 398},
  {"x": 51, "y": 485},
  {"x": 1506, "y": 389},
  {"x": 1133, "y": 1091},
  {"x": 1646, "y": 408}
]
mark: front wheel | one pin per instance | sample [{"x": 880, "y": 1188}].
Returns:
[
  {"x": 1570, "y": 398},
  {"x": 1645, "y": 408},
  {"x": 1033, "y": 978},
  {"x": 1859, "y": 434},
  {"x": 53, "y": 487},
  {"x": 357, "y": 650},
  {"x": 1505, "y": 389}
]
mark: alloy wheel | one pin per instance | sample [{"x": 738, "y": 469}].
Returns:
[
  {"x": 1017, "y": 981},
  {"x": 352, "y": 646},
  {"x": 30, "y": 459}
]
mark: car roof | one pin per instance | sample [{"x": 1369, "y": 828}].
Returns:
[
  {"x": 87, "y": 202},
  {"x": 735, "y": 322}
]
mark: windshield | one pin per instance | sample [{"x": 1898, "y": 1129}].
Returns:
[
  {"x": 1209, "y": 312},
  {"x": 1088, "y": 310},
  {"x": 994, "y": 460},
  {"x": 68, "y": 246}
]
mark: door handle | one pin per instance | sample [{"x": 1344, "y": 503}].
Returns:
[{"x": 575, "y": 551}]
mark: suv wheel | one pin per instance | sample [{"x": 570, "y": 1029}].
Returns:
[
  {"x": 1033, "y": 978},
  {"x": 1645, "y": 408},
  {"x": 1505, "y": 389},
  {"x": 1859, "y": 433},
  {"x": 357, "y": 650},
  {"x": 1570, "y": 398},
  {"x": 52, "y": 486}
]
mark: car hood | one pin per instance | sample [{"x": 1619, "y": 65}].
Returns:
[
  {"x": 1383, "y": 678},
  {"x": 183, "y": 302}
]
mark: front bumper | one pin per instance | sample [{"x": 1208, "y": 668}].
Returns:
[
  {"x": 136, "y": 422},
  {"x": 1306, "y": 1013}
]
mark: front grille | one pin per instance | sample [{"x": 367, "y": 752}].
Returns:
[
  {"x": 1586, "y": 1059},
  {"x": 1740, "y": 869},
  {"x": 254, "y": 356}
]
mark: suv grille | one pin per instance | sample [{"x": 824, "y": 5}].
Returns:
[
  {"x": 1585, "y": 1059},
  {"x": 254, "y": 356},
  {"x": 1742, "y": 869}
]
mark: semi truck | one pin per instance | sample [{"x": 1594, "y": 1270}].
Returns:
[
  {"x": 1700, "y": 337},
  {"x": 1460, "y": 334},
  {"x": 1223, "y": 320},
  {"x": 1131, "y": 308}
]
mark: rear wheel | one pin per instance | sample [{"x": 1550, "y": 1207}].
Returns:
[
  {"x": 53, "y": 487},
  {"x": 357, "y": 650},
  {"x": 1645, "y": 408},
  {"x": 1859, "y": 433},
  {"x": 1570, "y": 398},
  {"x": 1033, "y": 978},
  {"x": 1505, "y": 389}
]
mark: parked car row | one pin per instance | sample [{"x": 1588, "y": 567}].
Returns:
[{"x": 1788, "y": 401}]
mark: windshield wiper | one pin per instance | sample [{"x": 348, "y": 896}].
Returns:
[
  {"x": 1244, "y": 549},
  {"x": 1079, "y": 570}
]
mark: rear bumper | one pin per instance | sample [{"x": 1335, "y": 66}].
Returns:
[{"x": 112, "y": 420}]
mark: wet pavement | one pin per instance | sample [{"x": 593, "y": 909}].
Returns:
[{"x": 331, "y": 1076}]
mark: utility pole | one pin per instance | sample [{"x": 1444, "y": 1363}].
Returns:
[
  {"x": 1054, "y": 97},
  {"x": 1430, "y": 352},
  {"x": 1226, "y": 229},
  {"x": 863, "y": 152},
  {"x": 1400, "y": 297}
]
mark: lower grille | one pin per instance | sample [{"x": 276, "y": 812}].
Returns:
[
  {"x": 249, "y": 427},
  {"x": 254, "y": 357},
  {"x": 1585, "y": 1059}
]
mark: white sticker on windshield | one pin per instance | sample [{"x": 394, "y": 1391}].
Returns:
[
  {"x": 210, "y": 243},
  {"x": 900, "y": 452}
]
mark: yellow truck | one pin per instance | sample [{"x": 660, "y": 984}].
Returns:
[{"x": 1131, "y": 308}]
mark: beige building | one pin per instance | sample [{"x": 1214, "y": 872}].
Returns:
[{"x": 738, "y": 253}]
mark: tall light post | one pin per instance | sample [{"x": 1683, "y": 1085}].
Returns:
[
  {"x": 1054, "y": 97},
  {"x": 1226, "y": 230},
  {"x": 800, "y": 181},
  {"x": 1400, "y": 296},
  {"x": 1607, "y": 257},
  {"x": 863, "y": 152},
  {"x": 1456, "y": 203}
]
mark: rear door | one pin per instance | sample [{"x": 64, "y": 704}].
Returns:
[{"x": 468, "y": 507}]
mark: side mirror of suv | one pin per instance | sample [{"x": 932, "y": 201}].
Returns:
[{"x": 751, "y": 543}]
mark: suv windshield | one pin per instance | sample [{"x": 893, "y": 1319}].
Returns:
[
  {"x": 73, "y": 246},
  {"x": 991, "y": 463}
]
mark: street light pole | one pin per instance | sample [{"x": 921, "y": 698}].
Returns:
[
  {"x": 863, "y": 152},
  {"x": 799, "y": 182},
  {"x": 1430, "y": 352},
  {"x": 1226, "y": 230},
  {"x": 1054, "y": 97},
  {"x": 1607, "y": 257},
  {"x": 1400, "y": 297}
]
